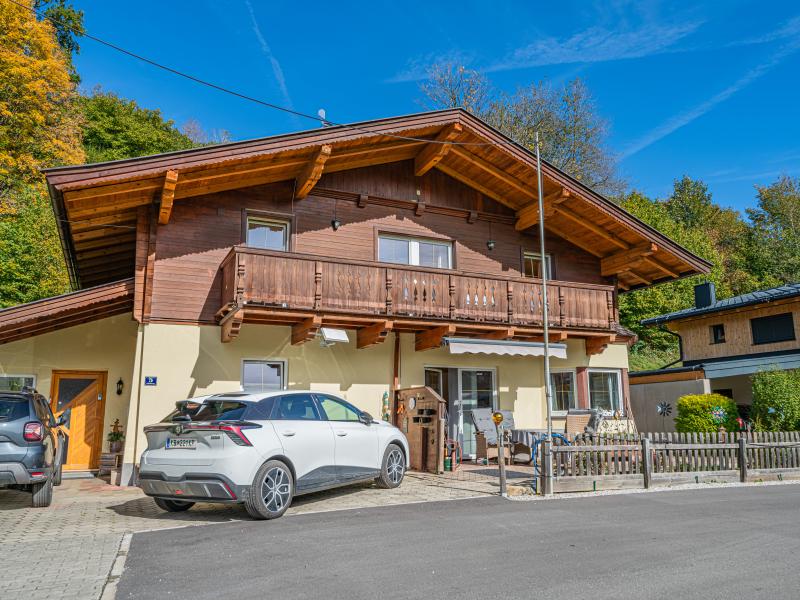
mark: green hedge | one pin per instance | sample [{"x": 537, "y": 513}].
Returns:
[
  {"x": 696, "y": 413},
  {"x": 776, "y": 400}
]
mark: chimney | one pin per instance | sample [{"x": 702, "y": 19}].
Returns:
[{"x": 704, "y": 295}]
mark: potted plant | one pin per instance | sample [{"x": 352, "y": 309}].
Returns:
[{"x": 115, "y": 438}]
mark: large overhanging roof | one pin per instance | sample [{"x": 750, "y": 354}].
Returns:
[{"x": 97, "y": 204}]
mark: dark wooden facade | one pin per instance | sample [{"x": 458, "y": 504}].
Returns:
[{"x": 176, "y": 222}]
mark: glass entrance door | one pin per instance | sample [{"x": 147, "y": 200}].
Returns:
[{"x": 476, "y": 390}]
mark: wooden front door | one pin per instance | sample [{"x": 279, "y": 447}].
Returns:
[{"x": 81, "y": 395}]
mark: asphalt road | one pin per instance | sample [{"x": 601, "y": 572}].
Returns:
[{"x": 715, "y": 543}]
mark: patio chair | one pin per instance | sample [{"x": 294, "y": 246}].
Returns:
[{"x": 486, "y": 446}]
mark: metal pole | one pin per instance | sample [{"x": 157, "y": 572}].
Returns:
[
  {"x": 501, "y": 458},
  {"x": 545, "y": 306}
]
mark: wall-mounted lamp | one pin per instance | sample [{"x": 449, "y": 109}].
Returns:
[
  {"x": 335, "y": 223},
  {"x": 120, "y": 386},
  {"x": 490, "y": 242}
]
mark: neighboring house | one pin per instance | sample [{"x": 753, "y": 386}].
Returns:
[
  {"x": 356, "y": 259},
  {"x": 723, "y": 342}
]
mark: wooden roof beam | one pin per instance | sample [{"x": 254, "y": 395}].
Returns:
[
  {"x": 436, "y": 151},
  {"x": 432, "y": 338},
  {"x": 583, "y": 222},
  {"x": 596, "y": 345},
  {"x": 167, "y": 197},
  {"x": 373, "y": 334},
  {"x": 623, "y": 261},
  {"x": 528, "y": 216},
  {"x": 526, "y": 189},
  {"x": 311, "y": 173},
  {"x": 456, "y": 174},
  {"x": 661, "y": 266},
  {"x": 306, "y": 330}
]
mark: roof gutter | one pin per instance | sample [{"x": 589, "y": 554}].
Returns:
[{"x": 67, "y": 247}]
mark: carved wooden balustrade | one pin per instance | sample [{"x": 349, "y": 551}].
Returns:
[{"x": 254, "y": 277}]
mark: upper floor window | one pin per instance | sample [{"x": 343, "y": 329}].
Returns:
[
  {"x": 718, "y": 334},
  {"x": 268, "y": 234},
  {"x": 775, "y": 328},
  {"x": 415, "y": 251},
  {"x": 532, "y": 265}
]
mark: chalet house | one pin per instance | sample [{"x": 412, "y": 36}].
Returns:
[
  {"x": 723, "y": 343},
  {"x": 358, "y": 259}
]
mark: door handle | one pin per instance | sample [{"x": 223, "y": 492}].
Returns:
[
  {"x": 288, "y": 433},
  {"x": 341, "y": 433}
]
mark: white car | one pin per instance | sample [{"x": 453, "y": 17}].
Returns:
[{"x": 263, "y": 449}]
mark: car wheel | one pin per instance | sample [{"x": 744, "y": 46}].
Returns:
[
  {"x": 272, "y": 491},
  {"x": 57, "y": 476},
  {"x": 173, "y": 505},
  {"x": 42, "y": 494},
  {"x": 393, "y": 468}
]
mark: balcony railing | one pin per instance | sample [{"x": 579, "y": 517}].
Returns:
[{"x": 304, "y": 282}]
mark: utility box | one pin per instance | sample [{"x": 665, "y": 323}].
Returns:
[{"x": 421, "y": 414}]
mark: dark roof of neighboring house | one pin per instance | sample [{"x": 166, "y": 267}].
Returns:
[{"x": 789, "y": 290}]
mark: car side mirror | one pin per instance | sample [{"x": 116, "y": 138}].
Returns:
[
  {"x": 365, "y": 418},
  {"x": 61, "y": 421}
]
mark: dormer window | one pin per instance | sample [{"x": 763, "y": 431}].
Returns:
[{"x": 718, "y": 334}]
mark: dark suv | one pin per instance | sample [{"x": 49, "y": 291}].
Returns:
[{"x": 31, "y": 445}]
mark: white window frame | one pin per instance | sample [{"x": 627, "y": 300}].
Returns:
[
  {"x": 278, "y": 361},
  {"x": 621, "y": 408},
  {"x": 413, "y": 248},
  {"x": 23, "y": 375},
  {"x": 563, "y": 413},
  {"x": 287, "y": 230},
  {"x": 548, "y": 259}
]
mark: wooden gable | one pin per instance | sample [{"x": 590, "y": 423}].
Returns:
[{"x": 97, "y": 204}]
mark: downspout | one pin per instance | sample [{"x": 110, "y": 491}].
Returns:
[{"x": 665, "y": 329}]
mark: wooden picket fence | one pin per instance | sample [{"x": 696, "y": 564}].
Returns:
[{"x": 618, "y": 461}]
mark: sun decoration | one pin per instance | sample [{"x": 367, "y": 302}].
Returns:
[{"x": 664, "y": 409}]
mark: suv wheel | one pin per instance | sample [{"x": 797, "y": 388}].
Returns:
[
  {"x": 173, "y": 505},
  {"x": 272, "y": 491},
  {"x": 393, "y": 467},
  {"x": 42, "y": 494}
]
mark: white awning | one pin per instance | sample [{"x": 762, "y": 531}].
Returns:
[{"x": 505, "y": 348}]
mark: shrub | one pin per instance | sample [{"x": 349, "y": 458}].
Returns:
[
  {"x": 696, "y": 412},
  {"x": 776, "y": 400}
]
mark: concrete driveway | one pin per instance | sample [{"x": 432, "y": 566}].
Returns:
[{"x": 68, "y": 549}]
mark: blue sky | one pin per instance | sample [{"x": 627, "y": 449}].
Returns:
[{"x": 704, "y": 89}]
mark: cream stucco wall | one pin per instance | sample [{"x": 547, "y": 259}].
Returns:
[
  {"x": 191, "y": 361},
  {"x": 103, "y": 345}
]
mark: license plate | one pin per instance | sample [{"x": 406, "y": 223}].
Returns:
[{"x": 185, "y": 443}]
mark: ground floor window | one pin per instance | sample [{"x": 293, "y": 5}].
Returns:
[
  {"x": 605, "y": 391},
  {"x": 562, "y": 386},
  {"x": 263, "y": 375},
  {"x": 15, "y": 383}
]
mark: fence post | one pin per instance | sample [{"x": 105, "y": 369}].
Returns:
[
  {"x": 743, "y": 459},
  {"x": 547, "y": 467},
  {"x": 647, "y": 462}
]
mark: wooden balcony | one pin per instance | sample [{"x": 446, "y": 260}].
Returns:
[{"x": 262, "y": 286}]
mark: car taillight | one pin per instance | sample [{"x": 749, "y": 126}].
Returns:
[
  {"x": 33, "y": 432},
  {"x": 236, "y": 434}
]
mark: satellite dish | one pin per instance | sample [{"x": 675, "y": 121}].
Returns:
[{"x": 322, "y": 117}]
